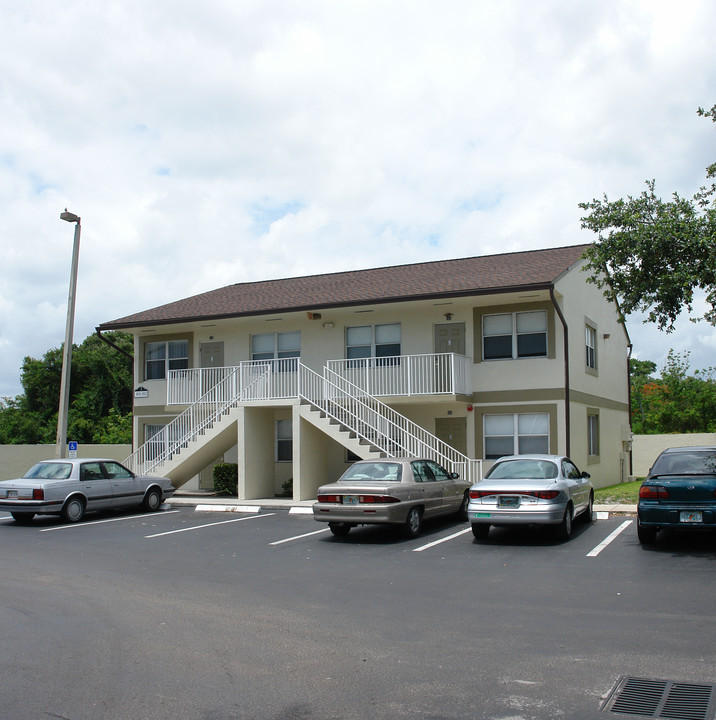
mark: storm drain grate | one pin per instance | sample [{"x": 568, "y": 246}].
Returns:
[{"x": 662, "y": 699}]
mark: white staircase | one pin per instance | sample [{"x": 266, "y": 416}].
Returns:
[{"x": 345, "y": 412}]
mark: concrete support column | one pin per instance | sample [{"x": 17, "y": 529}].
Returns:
[{"x": 255, "y": 439}]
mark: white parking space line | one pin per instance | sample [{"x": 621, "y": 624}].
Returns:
[
  {"x": 442, "y": 540},
  {"x": 228, "y": 508},
  {"x": 610, "y": 538},
  {"x": 101, "y": 522},
  {"x": 199, "y": 527},
  {"x": 298, "y": 537}
]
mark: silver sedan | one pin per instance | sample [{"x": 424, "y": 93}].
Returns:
[
  {"x": 531, "y": 489},
  {"x": 72, "y": 487},
  {"x": 394, "y": 491}
]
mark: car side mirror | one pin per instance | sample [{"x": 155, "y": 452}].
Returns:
[
  {"x": 454, "y": 475},
  {"x": 586, "y": 475}
]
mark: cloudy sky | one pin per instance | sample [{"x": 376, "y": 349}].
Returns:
[{"x": 210, "y": 143}]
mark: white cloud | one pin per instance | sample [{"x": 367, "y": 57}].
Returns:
[{"x": 235, "y": 141}]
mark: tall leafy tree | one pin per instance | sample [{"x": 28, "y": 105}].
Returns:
[
  {"x": 677, "y": 402},
  {"x": 100, "y": 395},
  {"x": 652, "y": 254}
]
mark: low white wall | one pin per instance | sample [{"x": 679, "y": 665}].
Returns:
[
  {"x": 16, "y": 460},
  {"x": 645, "y": 448}
]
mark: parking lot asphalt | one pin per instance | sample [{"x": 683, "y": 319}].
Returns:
[{"x": 261, "y": 614}]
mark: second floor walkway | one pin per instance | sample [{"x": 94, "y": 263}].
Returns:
[{"x": 433, "y": 374}]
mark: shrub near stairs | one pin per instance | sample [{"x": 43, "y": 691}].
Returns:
[{"x": 226, "y": 478}]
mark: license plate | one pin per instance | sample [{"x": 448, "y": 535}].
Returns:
[
  {"x": 508, "y": 501},
  {"x": 350, "y": 499},
  {"x": 691, "y": 517}
]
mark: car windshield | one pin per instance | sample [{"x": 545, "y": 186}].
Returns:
[
  {"x": 373, "y": 471},
  {"x": 49, "y": 471},
  {"x": 522, "y": 469},
  {"x": 685, "y": 463}
]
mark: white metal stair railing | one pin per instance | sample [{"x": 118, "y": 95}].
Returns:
[
  {"x": 378, "y": 424},
  {"x": 366, "y": 416},
  {"x": 199, "y": 417}
]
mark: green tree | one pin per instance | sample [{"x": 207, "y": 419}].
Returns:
[
  {"x": 651, "y": 254},
  {"x": 678, "y": 402},
  {"x": 100, "y": 395},
  {"x": 641, "y": 374}
]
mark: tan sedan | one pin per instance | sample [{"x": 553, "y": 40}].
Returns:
[{"x": 393, "y": 491}]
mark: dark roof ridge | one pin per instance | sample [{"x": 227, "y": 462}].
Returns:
[
  {"x": 479, "y": 274},
  {"x": 402, "y": 265}
]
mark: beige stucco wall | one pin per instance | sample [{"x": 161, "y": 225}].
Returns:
[
  {"x": 502, "y": 386},
  {"x": 16, "y": 460},
  {"x": 645, "y": 448}
]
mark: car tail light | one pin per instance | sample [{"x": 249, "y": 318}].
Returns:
[
  {"x": 377, "y": 499},
  {"x": 541, "y": 494},
  {"x": 38, "y": 494},
  {"x": 546, "y": 494},
  {"x": 329, "y": 498},
  {"x": 653, "y": 492},
  {"x": 477, "y": 494}
]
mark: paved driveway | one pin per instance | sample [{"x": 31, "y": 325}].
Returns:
[{"x": 192, "y": 614}]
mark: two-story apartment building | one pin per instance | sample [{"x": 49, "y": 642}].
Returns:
[{"x": 462, "y": 360}]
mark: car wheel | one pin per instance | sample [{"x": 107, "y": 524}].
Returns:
[
  {"x": 340, "y": 529},
  {"x": 564, "y": 529},
  {"x": 152, "y": 501},
  {"x": 588, "y": 515},
  {"x": 74, "y": 510},
  {"x": 462, "y": 510},
  {"x": 23, "y": 517},
  {"x": 413, "y": 523},
  {"x": 480, "y": 530},
  {"x": 646, "y": 535}
]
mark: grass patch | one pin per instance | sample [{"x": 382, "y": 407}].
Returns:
[{"x": 624, "y": 493}]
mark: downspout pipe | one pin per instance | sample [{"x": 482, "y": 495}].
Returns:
[
  {"x": 114, "y": 345},
  {"x": 631, "y": 454},
  {"x": 567, "y": 413}
]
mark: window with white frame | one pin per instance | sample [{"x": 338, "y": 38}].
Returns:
[
  {"x": 590, "y": 347},
  {"x": 275, "y": 346},
  {"x": 284, "y": 441},
  {"x": 593, "y": 434},
  {"x": 379, "y": 341},
  {"x": 161, "y": 357},
  {"x": 514, "y": 335},
  {"x": 515, "y": 434}
]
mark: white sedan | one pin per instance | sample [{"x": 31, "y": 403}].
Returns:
[
  {"x": 531, "y": 490},
  {"x": 72, "y": 487}
]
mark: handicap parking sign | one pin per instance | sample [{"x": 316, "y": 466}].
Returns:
[{"x": 72, "y": 447}]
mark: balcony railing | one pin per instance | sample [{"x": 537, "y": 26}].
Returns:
[
  {"x": 430, "y": 374},
  {"x": 253, "y": 380}
]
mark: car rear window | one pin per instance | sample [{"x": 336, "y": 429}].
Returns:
[
  {"x": 685, "y": 463},
  {"x": 374, "y": 471},
  {"x": 49, "y": 471},
  {"x": 522, "y": 470}
]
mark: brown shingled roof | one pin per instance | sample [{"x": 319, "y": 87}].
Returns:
[{"x": 444, "y": 278}]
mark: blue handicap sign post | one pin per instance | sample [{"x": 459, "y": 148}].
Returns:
[{"x": 72, "y": 447}]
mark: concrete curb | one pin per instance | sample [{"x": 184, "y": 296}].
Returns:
[{"x": 213, "y": 503}]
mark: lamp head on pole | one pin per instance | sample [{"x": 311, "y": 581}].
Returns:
[{"x": 69, "y": 217}]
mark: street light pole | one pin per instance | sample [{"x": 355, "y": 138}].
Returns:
[{"x": 61, "y": 449}]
